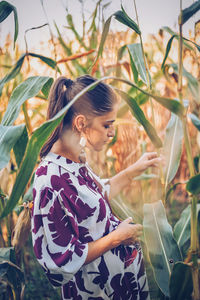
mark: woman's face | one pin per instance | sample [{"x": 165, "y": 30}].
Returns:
[{"x": 101, "y": 130}]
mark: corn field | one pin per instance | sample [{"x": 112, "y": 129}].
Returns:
[{"x": 158, "y": 84}]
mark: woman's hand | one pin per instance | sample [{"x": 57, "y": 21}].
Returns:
[
  {"x": 123, "y": 178},
  {"x": 127, "y": 233},
  {"x": 148, "y": 159}
]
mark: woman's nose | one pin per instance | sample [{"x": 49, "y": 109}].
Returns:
[{"x": 111, "y": 132}]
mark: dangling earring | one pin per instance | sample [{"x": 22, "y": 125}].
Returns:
[{"x": 82, "y": 155}]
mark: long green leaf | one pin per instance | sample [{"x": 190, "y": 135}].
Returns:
[
  {"x": 20, "y": 146},
  {"x": 193, "y": 185},
  {"x": 173, "y": 105},
  {"x": 35, "y": 143},
  {"x": 181, "y": 285},
  {"x": 72, "y": 27},
  {"x": 195, "y": 120},
  {"x": 185, "y": 40},
  {"x": 135, "y": 52},
  {"x": 49, "y": 61},
  {"x": 188, "y": 12},
  {"x": 123, "y": 18},
  {"x": 80, "y": 69},
  {"x": 139, "y": 115},
  {"x": 168, "y": 48},
  {"x": 182, "y": 229},
  {"x": 8, "y": 137},
  {"x": 103, "y": 38},
  {"x": 13, "y": 73},
  {"x": 172, "y": 148},
  {"x": 123, "y": 210},
  {"x": 126, "y": 20},
  {"x": 193, "y": 83},
  {"x": 162, "y": 247},
  {"x": 27, "y": 89},
  {"x": 5, "y": 10}
]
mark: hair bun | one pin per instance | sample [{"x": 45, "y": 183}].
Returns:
[{"x": 68, "y": 82}]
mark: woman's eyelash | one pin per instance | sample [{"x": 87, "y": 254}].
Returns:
[{"x": 106, "y": 126}]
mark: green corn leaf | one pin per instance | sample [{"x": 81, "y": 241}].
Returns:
[
  {"x": 50, "y": 62},
  {"x": 188, "y": 12},
  {"x": 20, "y": 146},
  {"x": 120, "y": 54},
  {"x": 181, "y": 285},
  {"x": 8, "y": 138},
  {"x": 46, "y": 87},
  {"x": 145, "y": 176},
  {"x": 192, "y": 82},
  {"x": 125, "y": 19},
  {"x": 135, "y": 52},
  {"x": 172, "y": 148},
  {"x": 161, "y": 245},
  {"x": 123, "y": 210},
  {"x": 140, "y": 117},
  {"x": 182, "y": 229},
  {"x": 173, "y": 105},
  {"x": 27, "y": 89},
  {"x": 7, "y": 253},
  {"x": 37, "y": 140},
  {"x": 193, "y": 185},
  {"x": 168, "y": 48},
  {"x": 13, "y": 72},
  {"x": 122, "y": 17},
  {"x": 103, "y": 38},
  {"x": 73, "y": 29},
  {"x": 170, "y": 31},
  {"x": 80, "y": 69},
  {"x": 195, "y": 120},
  {"x": 5, "y": 10}
]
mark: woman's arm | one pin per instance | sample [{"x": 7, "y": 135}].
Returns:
[
  {"x": 123, "y": 178},
  {"x": 125, "y": 233}
]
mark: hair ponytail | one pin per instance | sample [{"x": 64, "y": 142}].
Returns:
[
  {"x": 57, "y": 100},
  {"x": 94, "y": 102}
]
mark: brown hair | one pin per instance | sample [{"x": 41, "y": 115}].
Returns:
[{"x": 95, "y": 102}]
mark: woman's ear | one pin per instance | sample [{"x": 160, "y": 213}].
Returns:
[{"x": 79, "y": 122}]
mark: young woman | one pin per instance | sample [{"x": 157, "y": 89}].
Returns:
[{"x": 80, "y": 244}]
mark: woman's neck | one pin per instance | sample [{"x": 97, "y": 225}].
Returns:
[{"x": 68, "y": 145}]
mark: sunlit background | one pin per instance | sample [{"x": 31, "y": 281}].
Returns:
[{"x": 153, "y": 14}]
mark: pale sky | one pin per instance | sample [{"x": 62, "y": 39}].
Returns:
[{"x": 153, "y": 14}]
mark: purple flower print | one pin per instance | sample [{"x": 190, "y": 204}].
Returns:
[
  {"x": 60, "y": 259},
  {"x": 130, "y": 257},
  {"x": 63, "y": 182},
  {"x": 45, "y": 196},
  {"x": 78, "y": 208},
  {"x": 60, "y": 225},
  {"x": 70, "y": 291},
  {"x": 80, "y": 282},
  {"x": 125, "y": 288},
  {"x": 85, "y": 179},
  {"x": 102, "y": 210},
  {"x": 38, "y": 247},
  {"x": 55, "y": 279},
  {"x": 41, "y": 171},
  {"x": 84, "y": 235},
  {"x": 37, "y": 223},
  {"x": 103, "y": 274}
]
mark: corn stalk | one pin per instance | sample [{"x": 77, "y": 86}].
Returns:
[{"x": 194, "y": 232}]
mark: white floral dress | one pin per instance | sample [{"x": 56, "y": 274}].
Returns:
[{"x": 70, "y": 210}]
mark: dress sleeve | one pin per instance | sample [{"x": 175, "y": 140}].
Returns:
[{"x": 55, "y": 233}]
